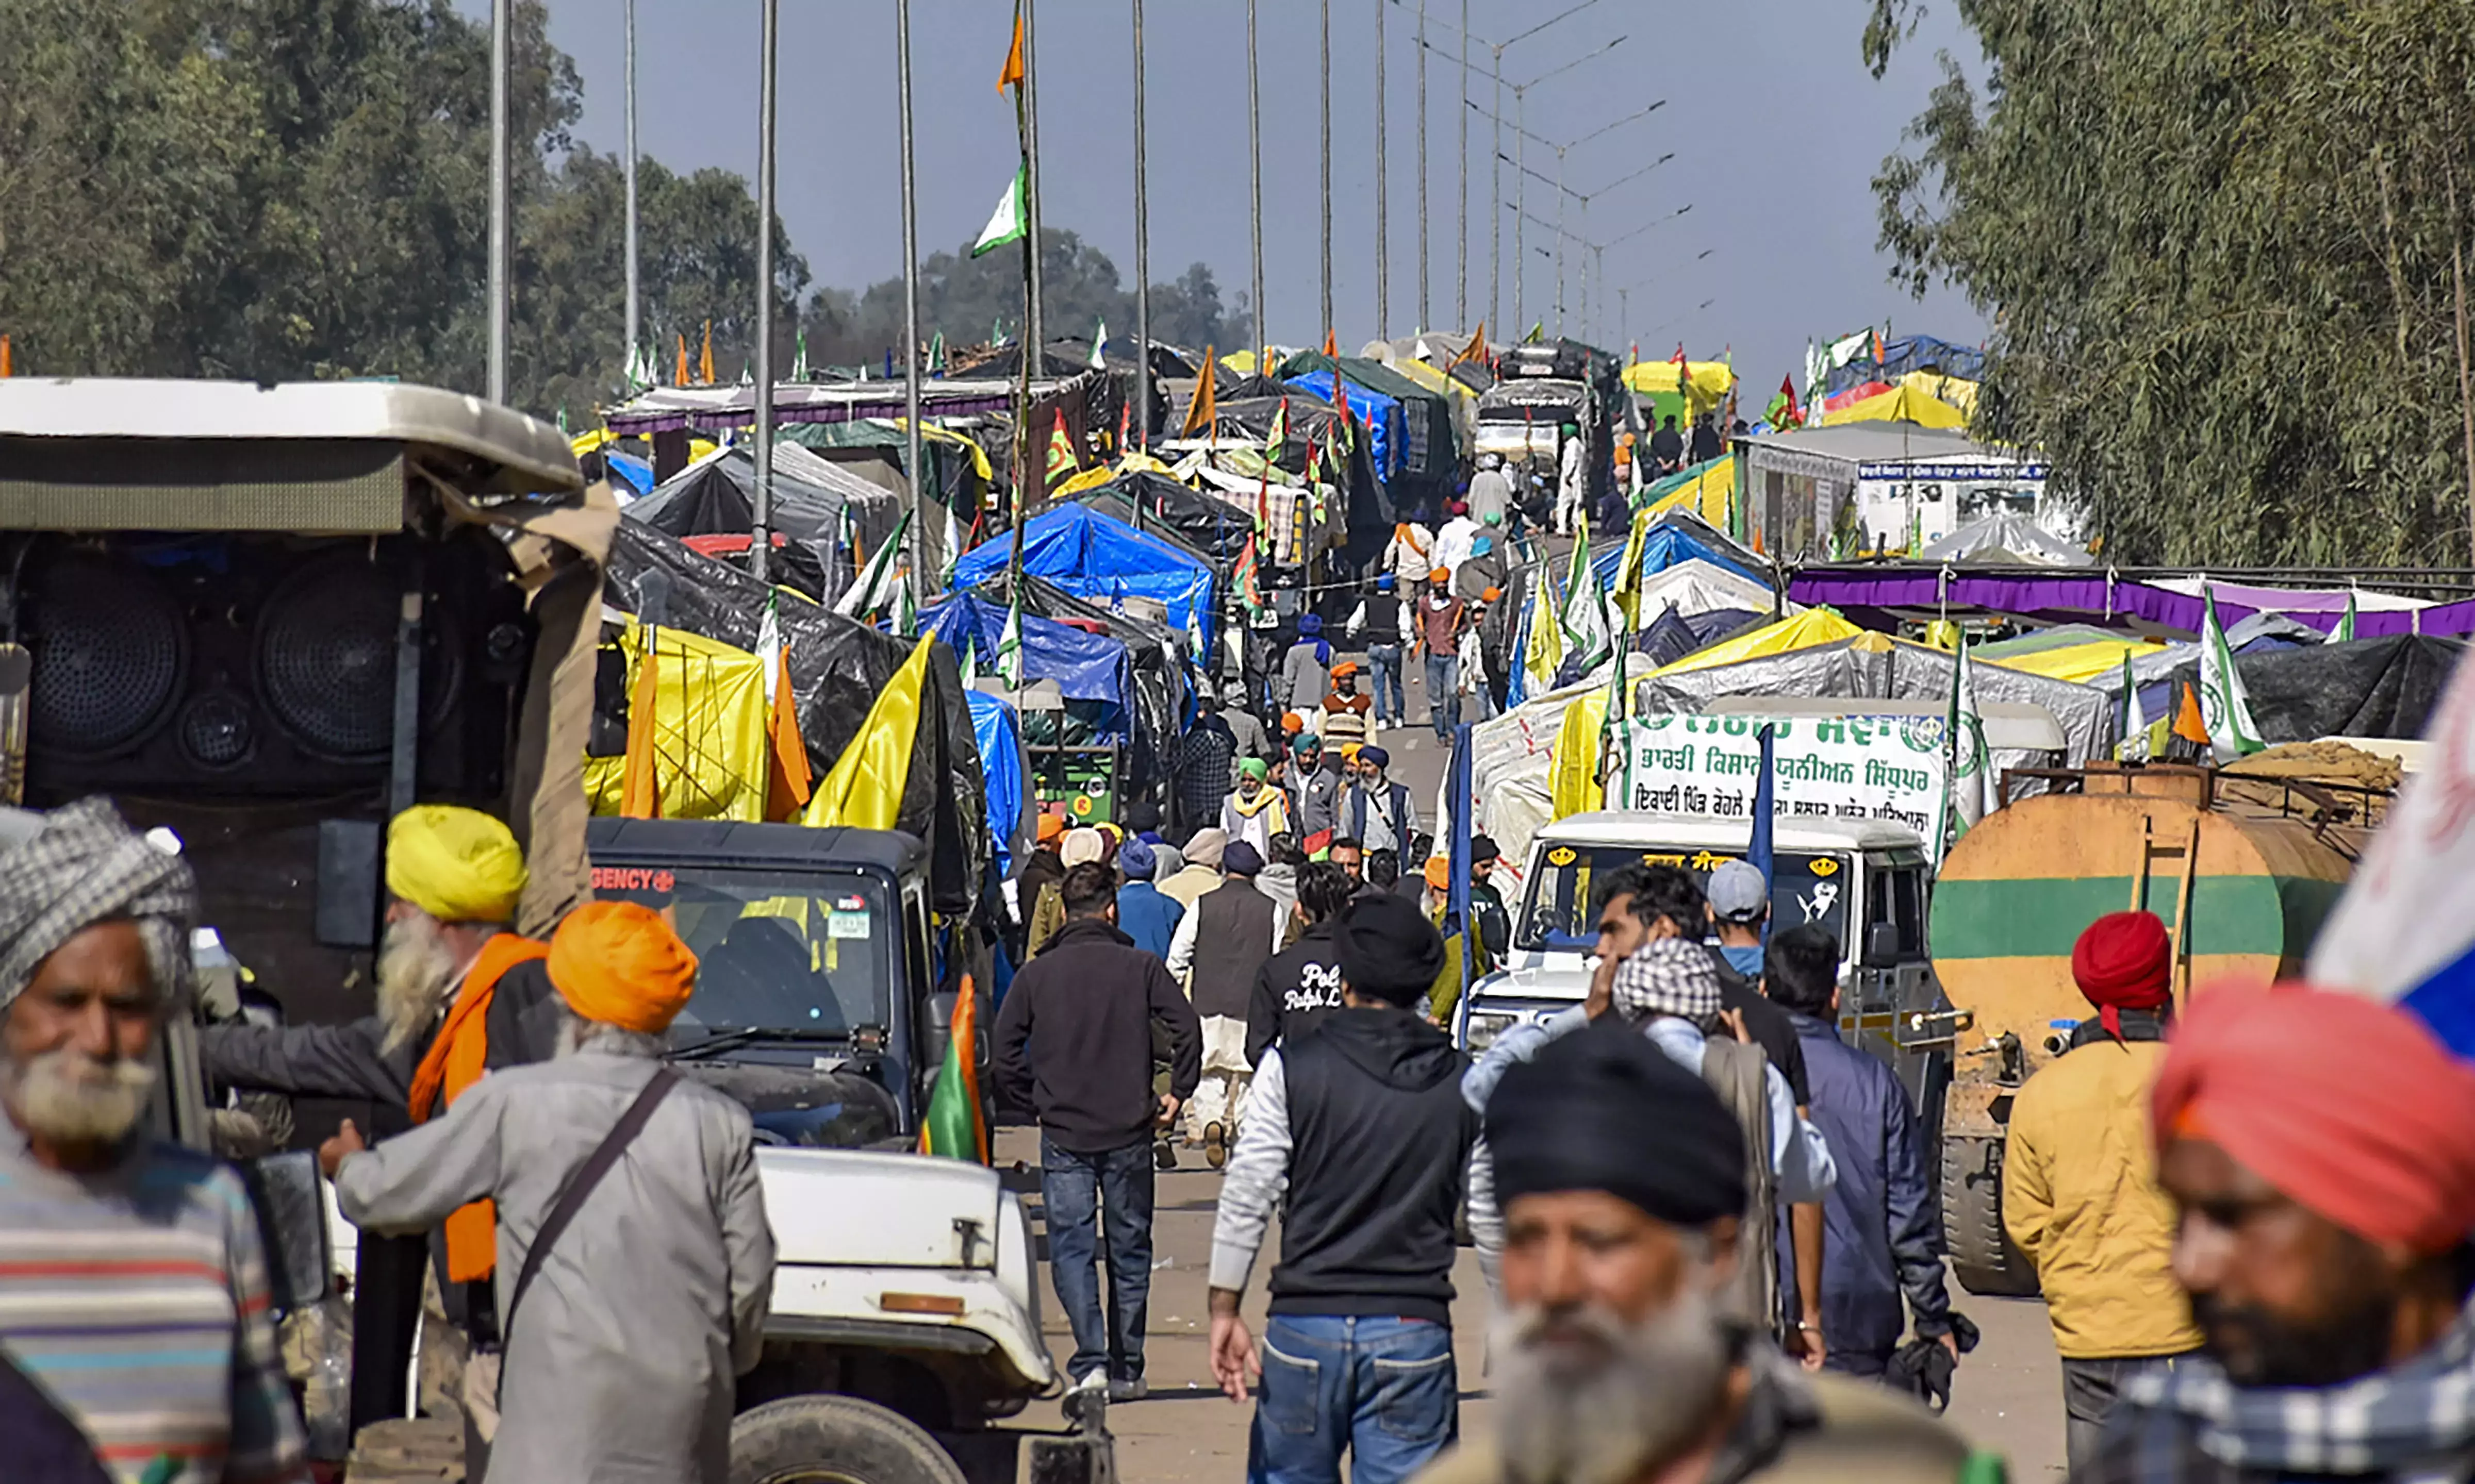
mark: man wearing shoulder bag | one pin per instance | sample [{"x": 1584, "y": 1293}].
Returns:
[{"x": 594, "y": 1389}]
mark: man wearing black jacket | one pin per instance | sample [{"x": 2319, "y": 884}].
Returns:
[
  {"x": 1300, "y": 986},
  {"x": 1362, "y": 1125},
  {"x": 1075, "y": 1042}
]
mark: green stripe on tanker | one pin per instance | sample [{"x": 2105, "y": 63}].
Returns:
[{"x": 2042, "y": 916}]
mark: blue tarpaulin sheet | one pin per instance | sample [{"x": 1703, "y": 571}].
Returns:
[
  {"x": 1086, "y": 667},
  {"x": 999, "y": 731},
  {"x": 1368, "y": 408},
  {"x": 1099, "y": 559},
  {"x": 1667, "y": 544}
]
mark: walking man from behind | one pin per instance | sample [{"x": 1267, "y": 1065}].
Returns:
[
  {"x": 1232, "y": 930},
  {"x": 1299, "y": 985},
  {"x": 1883, "y": 1237},
  {"x": 611, "y": 1176},
  {"x": 2079, "y": 1189},
  {"x": 1359, "y": 1134},
  {"x": 1074, "y": 1043}
]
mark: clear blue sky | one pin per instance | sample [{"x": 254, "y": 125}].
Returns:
[{"x": 1775, "y": 127}]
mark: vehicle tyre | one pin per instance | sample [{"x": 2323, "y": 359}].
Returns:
[
  {"x": 834, "y": 1440},
  {"x": 1982, "y": 1254}
]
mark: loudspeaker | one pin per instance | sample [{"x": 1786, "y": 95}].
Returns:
[{"x": 257, "y": 667}]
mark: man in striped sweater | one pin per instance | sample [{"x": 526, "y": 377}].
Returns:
[{"x": 132, "y": 1286}]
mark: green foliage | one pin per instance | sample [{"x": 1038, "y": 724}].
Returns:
[{"x": 2222, "y": 244}]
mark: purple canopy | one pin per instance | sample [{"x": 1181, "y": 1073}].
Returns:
[{"x": 2095, "y": 594}]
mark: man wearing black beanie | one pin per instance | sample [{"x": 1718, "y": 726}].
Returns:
[
  {"x": 1616, "y": 1356},
  {"x": 1361, "y": 1118}
]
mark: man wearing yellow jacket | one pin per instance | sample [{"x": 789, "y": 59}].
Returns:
[{"x": 2079, "y": 1185}]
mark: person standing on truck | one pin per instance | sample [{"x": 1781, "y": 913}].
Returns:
[
  {"x": 2079, "y": 1191},
  {"x": 1666, "y": 449},
  {"x": 1883, "y": 1234},
  {"x": 1625, "y": 1192},
  {"x": 1232, "y": 930},
  {"x": 2320, "y": 1148},
  {"x": 1297, "y": 986},
  {"x": 636, "y": 1263},
  {"x": 1074, "y": 1044},
  {"x": 135, "y": 1291},
  {"x": 459, "y": 994},
  {"x": 1708, "y": 444},
  {"x": 1360, "y": 1136}
]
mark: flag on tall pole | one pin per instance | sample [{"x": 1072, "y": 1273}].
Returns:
[
  {"x": 873, "y": 589},
  {"x": 1100, "y": 346},
  {"x": 2344, "y": 632},
  {"x": 2224, "y": 708},
  {"x": 1011, "y": 221},
  {"x": 2132, "y": 720},
  {"x": 704, "y": 363},
  {"x": 1583, "y": 616},
  {"x": 1202, "y": 410},
  {"x": 1011, "y": 75},
  {"x": 936, "y": 366},
  {"x": 800, "y": 357},
  {"x": 1967, "y": 782},
  {"x": 1010, "y": 639},
  {"x": 682, "y": 379}
]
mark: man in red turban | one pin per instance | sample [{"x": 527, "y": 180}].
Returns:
[
  {"x": 2321, "y": 1149},
  {"x": 2079, "y": 1195}
]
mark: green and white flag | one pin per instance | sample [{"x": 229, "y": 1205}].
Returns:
[
  {"x": 906, "y": 618},
  {"x": 769, "y": 643},
  {"x": 640, "y": 370},
  {"x": 2134, "y": 719},
  {"x": 1011, "y": 221},
  {"x": 1968, "y": 783},
  {"x": 873, "y": 589},
  {"x": 2344, "y": 632},
  {"x": 1100, "y": 347},
  {"x": 2224, "y": 708},
  {"x": 1583, "y": 616},
  {"x": 936, "y": 354},
  {"x": 953, "y": 550},
  {"x": 799, "y": 358},
  {"x": 1009, "y": 641},
  {"x": 1617, "y": 758}
]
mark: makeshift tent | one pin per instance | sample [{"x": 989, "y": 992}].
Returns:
[
  {"x": 837, "y": 667},
  {"x": 1694, "y": 587},
  {"x": 2369, "y": 687},
  {"x": 1908, "y": 353},
  {"x": 1707, "y": 490},
  {"x": 2060, "y": 596},
  {"x": 1429, "y": 460},
  {"x": 2005, "y": 539},
  {"x": 715, "y": 496},
  {"x": 1959, "y": 393},
  {"x": 1086, "y": 666},
  {"x": 1849, "y": 397},
  {"x": 1680, "y": 536},
  {"x": 1805, "y": 631},
  {"x": 1157, "y": 653},
  {"x": 1095, "y": 556},
  {"x": 1704, "y": 387},
  {"x": 998, "y": 729},
  {"x": 1377, "y": 414},
  {"x": 1900, "y": 404},
  {"x": 710, "y": 748},
  {"x": 2082, "y": 654},
  {"x": 1671, "y": 633},
  {"x": 1201, "y": 526}
]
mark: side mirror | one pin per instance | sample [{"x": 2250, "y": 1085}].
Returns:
[
  {"x": 1882, "y": 945},
  {"x": 288, "y": 1194}
]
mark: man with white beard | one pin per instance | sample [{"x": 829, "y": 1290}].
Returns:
[
  {"x": 133, "y": 1281},
  {"x": 1622, "y": 1182},
  {"x": 458, "y": 994}
]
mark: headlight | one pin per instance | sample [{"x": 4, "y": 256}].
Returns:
[{"x": 1484, "y": 1026}]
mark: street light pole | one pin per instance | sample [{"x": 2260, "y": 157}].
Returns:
[
  {"x": 1383, "y": 232},
  {"x": 761, "y": 536},
  {"x": 1143, "y": 258},
  {"x": 1255, "y": 184},
  {"x": 632, "y": 281},
  {"x": 1426, "y": 305},
  {"x": 499, "y": 224},
  {"x": 913, "y": 467}
]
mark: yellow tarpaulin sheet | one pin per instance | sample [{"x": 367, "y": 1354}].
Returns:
[
  {"x": 864, "y": 788},
  {"x": 932, "y": 433},
  {"x": 1813, "y": 626},
  {"x": 1573, "y": 772},
  {"x": 709, "y": 741},
  {"x": 1707, "y": 495},
  {"x": 1950, "y": 389},
  {"x": 1093, "y": 478},
  {"x": 2081, "y": 664},
  {"x": 585, "y": 443},
  {"x": 1710, "y": 380},
  {"x": 1898, "y": 404},
  {"x": 1431, "y": 378}
]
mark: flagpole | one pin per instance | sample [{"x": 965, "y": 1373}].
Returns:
[
  {"x": 498, "y": 240},
  {"x": 1461, "y": 275},
  {"x": 1426, "y": 313},
  {"x": 761, "y": 536},
  {"x": 1255, "y": 184},
  {"x": 1383, "y": 232},
  {"x": 1327, "y": 166},
  {"x": 1036, "y": 339},
  {"x": 912, "y": 450},
  {"x": 1142, "y": 265},
  {"x": 633, "y": 324}
]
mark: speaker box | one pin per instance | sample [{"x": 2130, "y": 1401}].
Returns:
[{"x": 262, "y": 668}]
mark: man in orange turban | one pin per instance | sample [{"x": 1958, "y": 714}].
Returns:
[
  {"x": 2320, "y": 1148},
  {"x": 625, "y": 1324}
]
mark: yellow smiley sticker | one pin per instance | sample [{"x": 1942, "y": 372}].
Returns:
[
  {"x": 1825, "y": 867},
  {"x": 1561, "y": 855}
]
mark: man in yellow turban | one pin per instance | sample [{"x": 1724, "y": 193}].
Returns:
[
  {"x": 643, "y": 1307},
  {"x": 459, "y": 994}
]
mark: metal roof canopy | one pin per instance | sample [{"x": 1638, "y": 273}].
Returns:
[
  {"x": 2013, "y": 724},
  {"x": 104, "y": 453}
]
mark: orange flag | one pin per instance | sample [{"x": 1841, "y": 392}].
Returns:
[
  {"x": 640, "y": 783},
  {"x": 2188, "y": 723},
  {"x": 705, "y": 366},
  {"x": 1476, "y": 350},
  {"x": 7, "y": 362},
  {"x": 1012, "y": 75},
  {"x": 788, "y": 780},
  {"x": 1202, "y": 413},
  {"x": 681, "y": 380},
  {"x": 1331, "y": 345}
]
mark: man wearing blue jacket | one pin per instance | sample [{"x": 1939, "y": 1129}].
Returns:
[
  {"x": 1144, "y": 912},
  {"x": 1882, "y": 1236}
]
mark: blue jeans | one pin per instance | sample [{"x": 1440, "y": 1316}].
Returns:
[
  {"x": 1384, "y": 1389},
  {"x": 1444, "y": 694},
  {"x": 1391, "y": 706},
  {"x": 1078, "y": 1192}
]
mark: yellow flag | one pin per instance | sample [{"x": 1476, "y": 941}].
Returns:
[
  {"x": 1203, "y": 411},
  {"x": 864, "y": 788},
  {"x": 1627, "y": 588},
  {"x": 1012, "y": 76}
]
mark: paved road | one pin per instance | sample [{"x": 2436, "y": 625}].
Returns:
[{"x": 2008, "y": 1396}]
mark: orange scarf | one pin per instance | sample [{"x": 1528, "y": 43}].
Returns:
[{"x": 457, "y": 1057}]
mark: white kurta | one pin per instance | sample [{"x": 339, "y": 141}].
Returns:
[{"x": 622, "y": 1363}]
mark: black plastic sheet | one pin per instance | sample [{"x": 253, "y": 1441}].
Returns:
[
  {"x": 837, "y": 666},
  {"x": 2370, "y": 688}
]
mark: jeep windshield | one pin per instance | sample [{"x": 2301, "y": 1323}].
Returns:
[
  {"x": 806, "y": 953},
  {"x": 1559, "y": 916}
]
